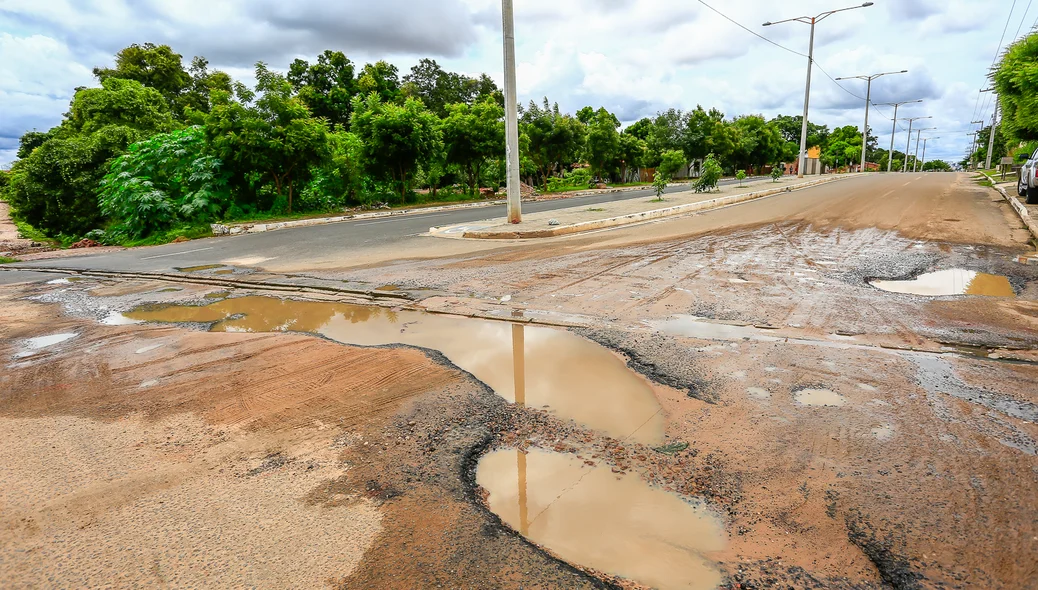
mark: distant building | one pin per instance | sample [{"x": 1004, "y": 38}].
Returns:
[{"x": 814, "y": 163}]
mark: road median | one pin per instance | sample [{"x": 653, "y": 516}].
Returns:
[{"x": 574, "y": 220}]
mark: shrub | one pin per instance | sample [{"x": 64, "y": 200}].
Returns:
[
  {"x": 740, "y": 176},
  {"x": 777, "y": 173},
  {"x": 164, "y": 181},
  {"x": 711, "y": 174},
  {"x": 659, "y": 182}
]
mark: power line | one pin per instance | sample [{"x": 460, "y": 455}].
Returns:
[
  {"x": 1020, "y": 26},
  {"x": 994, "y": 60},
  {"x": 754, "y": 33}
]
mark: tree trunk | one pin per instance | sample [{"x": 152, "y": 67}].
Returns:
[{"x": 289, "y": 196}]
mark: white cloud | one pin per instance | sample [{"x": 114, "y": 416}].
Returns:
[{"x": 632, "y": 56}]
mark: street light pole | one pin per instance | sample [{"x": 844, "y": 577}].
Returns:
[
  {"x": 919, "y": 133},
  {"x": 515, "y": 214},
  {"x": 893, "y": 130},
  {"x": 810, "y": 20},
  {"x": 868, "y": 100},
  {"x": 908, "y": 146}
]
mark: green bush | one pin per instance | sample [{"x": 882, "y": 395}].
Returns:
[
  {"x": 776, "y": 173},
  {"x": 707, "y": 181},
  {"x": 163, "y": 182},
  {"x": 578, "y": 179},
  {"x": 659, "y": 183},
  {"x": 740, "y": 176}
]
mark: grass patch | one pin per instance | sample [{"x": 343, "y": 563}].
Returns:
[
  {"x": 6, "y": 260},
  {"x": 28, "y": 232},
  {"x": 630, "y": 184},
  {"x": 187, "y": 232},
  {"x": 595, "y": 209}
]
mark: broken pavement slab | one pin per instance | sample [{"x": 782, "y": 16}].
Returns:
[{"x": 573, "y": 220}]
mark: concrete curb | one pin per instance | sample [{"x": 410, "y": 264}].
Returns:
[
  {"x": 644, "y": 215},
  {"x": 1021, "y": 211}
]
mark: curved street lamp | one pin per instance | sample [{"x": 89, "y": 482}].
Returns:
[
  {"x": 810, "y": 20},
  {"x": 893, "y": 130},
  {"x": 868, "y": 99}
]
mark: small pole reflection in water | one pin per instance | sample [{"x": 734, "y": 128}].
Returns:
[{"x": 519, "y": 373}]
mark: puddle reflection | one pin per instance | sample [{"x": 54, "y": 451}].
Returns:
[
  {"x": 576, "y": 378},
  {"x": 954, "y": 281},
  {"x": 589, "y": 515}
]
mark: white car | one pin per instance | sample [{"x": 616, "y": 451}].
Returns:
[{"x": 1027, "y": 182}]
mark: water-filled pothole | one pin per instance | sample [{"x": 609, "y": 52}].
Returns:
[
  {"x": 616, "y": 525},
  {"x": 954, "y": 281},
  {"x": 819, "y": 397},
  {"x": 577, "y": 379}
]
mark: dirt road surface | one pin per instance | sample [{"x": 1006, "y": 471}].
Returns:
[{"x": 839, "y": 436}]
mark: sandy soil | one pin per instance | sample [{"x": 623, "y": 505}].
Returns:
[{"x": 179, "y": 456}]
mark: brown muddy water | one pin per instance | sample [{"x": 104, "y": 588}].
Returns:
[
  {"x": 954, "y": 281},
  {"x": 541, "y": 367},
  {"x": 819, "y": 397},
  {"x": 618, "y": 525}
]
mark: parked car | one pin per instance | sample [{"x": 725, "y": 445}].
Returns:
[{"x": 1027, "y": 182}]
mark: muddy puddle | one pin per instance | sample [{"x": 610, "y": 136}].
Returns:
[
  {"x": 955, "y": 281},
  {"x": 819, "y": 397},
  {"x": 541, "y": 367},
  {"x": 618, "y": 525}
]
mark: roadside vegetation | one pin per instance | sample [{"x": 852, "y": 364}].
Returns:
[{"x": 160, "y": 149}]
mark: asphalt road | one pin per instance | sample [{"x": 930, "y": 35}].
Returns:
[{"x": 300, "y": 243}]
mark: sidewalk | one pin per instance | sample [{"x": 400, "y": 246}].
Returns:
[
  {"x": 623, "y": 212},
  {"x": 1028, "y": 213}
]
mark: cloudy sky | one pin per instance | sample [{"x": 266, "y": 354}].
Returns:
[{"x": 634, "y": 57}]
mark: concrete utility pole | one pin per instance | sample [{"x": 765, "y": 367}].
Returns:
[
  {"x": 868, "y": 100},
  {"x": 991, "y": 140},
  {"x": 919, "y": 134},
  {"x": 810, "y": 20},
  {"x": 908, "y": 146},
  {"x": 515, "y": 214},
  {"x": 893, "y": 130},
  {"x": 973, "y": 146},
  {"x": 923, "y": 165}
]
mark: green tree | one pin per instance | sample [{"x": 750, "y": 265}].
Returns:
[
  {"x": 472, "y": 136},
  {"x": 159, "y": 67},
  {"x": 439, "y": 89},
  {"x": 603, "y": 143},
  {"x": 776, "y": 173},
  {"x": 1016, "y": 82},
  {"x": 555, "y": 140},
  {"x": 697, "y": 131},
  {"x": 155, "y": 66},
  {"x": 164, "y": 181},
  {"x": 339, "y": 180},
  {"x": 659, "y": 182},
  {"x": 381, "y": 78},
  {"x": 30, "y": 141},
  {"x": 631, "y": 154},
  {"x": 758, "y": 143},
  {"x": 397, "y": 139},
  {"x": 937, "y": 166},
  {"x": 327, "y": 87},
  {"x": 640, "y": 129},
  {"x": 55, "y": 187},
  {"x": 275, "y": 141},
  {"x": 740, "y": 176},
  {"x": 710, "y": 176},
  {"x": 671, "y": 162},
  {"x": 664, "y": 135}
]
